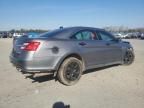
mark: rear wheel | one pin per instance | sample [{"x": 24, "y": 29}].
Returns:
[
  {"x": 129, "y": 57},
  {"x": 70, "y": 71}
]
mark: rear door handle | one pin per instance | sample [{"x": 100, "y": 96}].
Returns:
[{"x": 82, "y": 43}]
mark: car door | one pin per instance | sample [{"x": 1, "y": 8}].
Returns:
[
  {"x": 112, "y": 50},
  {"x": 90, "y": 47}
]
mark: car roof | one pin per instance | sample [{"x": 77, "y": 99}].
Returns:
[
  {"x": 78, "y": 28},
  {"x": 64, "y": 33}
]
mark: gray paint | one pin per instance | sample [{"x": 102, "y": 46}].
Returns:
[{"x": 53, "y": 50}]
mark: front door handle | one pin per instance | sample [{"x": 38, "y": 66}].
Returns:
[{"x": 82, "y": 43}]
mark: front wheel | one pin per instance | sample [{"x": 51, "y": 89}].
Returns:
[
  {"x": 70, "y": 71},
  {"x": 128, "y": 57}
]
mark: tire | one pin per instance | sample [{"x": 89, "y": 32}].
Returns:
[
  {"x": 128, "y": 57},
  {"x": 70, "y": 71}
]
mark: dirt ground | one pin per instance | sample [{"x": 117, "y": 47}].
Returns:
[{"x": 112, "y": 87}]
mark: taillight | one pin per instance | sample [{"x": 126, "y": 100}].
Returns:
[{"x": 30, "y": 46}]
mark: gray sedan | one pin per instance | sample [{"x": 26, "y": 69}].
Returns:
[{"x": 67, "y": 52}]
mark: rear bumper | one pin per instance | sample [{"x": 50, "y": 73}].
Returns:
[{"x": 33, "y": 66}]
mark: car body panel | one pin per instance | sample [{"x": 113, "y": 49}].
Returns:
[{"x": 53, "y": 51}]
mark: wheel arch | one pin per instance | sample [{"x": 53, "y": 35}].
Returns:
[
  {"x": 68, "y": 56},
  {"x": 127, "y": 50}
]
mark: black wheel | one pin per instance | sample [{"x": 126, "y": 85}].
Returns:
[
  {"x": 129, "y": 57},
  {"x": 70, "y": 71}
]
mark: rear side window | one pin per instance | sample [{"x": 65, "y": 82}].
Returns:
[
  {"x": 78, "y": 36},
  {"x": 85, "y": 35}
]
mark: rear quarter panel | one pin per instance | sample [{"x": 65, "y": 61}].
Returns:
[{"x": 52, "y": 52}]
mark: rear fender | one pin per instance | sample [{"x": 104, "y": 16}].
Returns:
[{"x": 67, "y": 56}]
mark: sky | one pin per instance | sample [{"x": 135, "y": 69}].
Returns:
[{"x": 51, "y": 14}]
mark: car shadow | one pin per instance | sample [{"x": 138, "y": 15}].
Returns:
[
  {"x": 49, "y": 77},
  {"x": 99, "y": 69},
  {"x": 42, "y": 78}
]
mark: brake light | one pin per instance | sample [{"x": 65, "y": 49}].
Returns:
[{"x": 30, "y": 46}]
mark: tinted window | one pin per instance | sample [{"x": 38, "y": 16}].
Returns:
[{"x": 106, "y": 36}]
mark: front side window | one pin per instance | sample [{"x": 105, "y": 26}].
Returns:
[{"x": 106, "y": 36}]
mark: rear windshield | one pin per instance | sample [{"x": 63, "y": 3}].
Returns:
[
  {"x": 29, "y": 35},
  {"x": 58, "y": 33}
]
